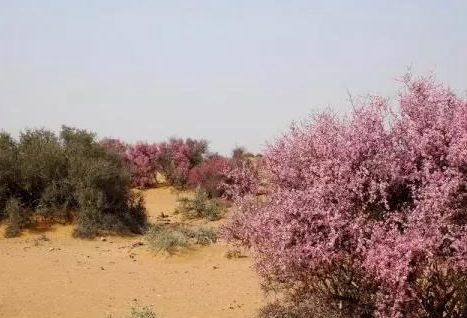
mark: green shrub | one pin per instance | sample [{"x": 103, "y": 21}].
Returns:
[
  {"x": 9, "y": 176},
  {"x": 201, "y": 206},
  {"x": 16, "y": 218},
  {"x": 69, "y": 176}
]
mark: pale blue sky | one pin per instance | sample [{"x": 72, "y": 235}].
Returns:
[{"x": 233, "y": 72}]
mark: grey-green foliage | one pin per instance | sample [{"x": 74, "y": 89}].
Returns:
[
  {"x": 201, "y": 206},
  {"x": 165, "y": 238},
  {"x": 142, "y": 312},
  {"x": 172, "y": 237},
  {"x": 9, "y": 175},
  {"x": 70, "y": 176},
  {"x": 16, "y": 218},
  {"x": 202, "y": 235}
]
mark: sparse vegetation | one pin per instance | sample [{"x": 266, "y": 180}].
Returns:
[
  {"x": 142, "y": 312},
  {"x": 234, "y": 253},
  {"x": 201, "y": 206},
  {"x": 174, "y": 237},
  {"x": 165, "y": 238}
]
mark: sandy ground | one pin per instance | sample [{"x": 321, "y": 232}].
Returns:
[{"x": 66, "y": 277}]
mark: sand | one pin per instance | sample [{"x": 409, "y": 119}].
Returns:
[{"x": 67, "y": 277}]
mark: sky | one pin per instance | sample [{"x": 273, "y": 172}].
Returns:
[{"x": 236, "y": 73}]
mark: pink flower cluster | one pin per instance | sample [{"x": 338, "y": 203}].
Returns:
[
  {"x": 375, "y": 203},
  {"x": 172, "y": 159},
  {"x": 226, "y": 177},
  {"x": 210, "y": 175}
]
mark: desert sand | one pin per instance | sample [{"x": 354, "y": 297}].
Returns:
[{"x": 65, "y": 277}]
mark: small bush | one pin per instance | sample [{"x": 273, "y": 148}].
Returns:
[
  {"x": 201, "y": 206},
  {"x": 234, "y": 253},
  {"x": 202, "y": 235},
  {"x": 142, "y": 312},
  {"x": 165, "y": 238},
  {"x": 172, "y": 238}
]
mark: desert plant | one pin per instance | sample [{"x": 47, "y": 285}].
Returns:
[
  {"x": 367, "y": 214},
  {"x": 171, "y": 238},
  {"x": 201, "y": 206},
  {"x": 144, "y": 162},
  {"x": 209, "y": 175},
  {"x": 202, "y": 235},
  {"x": 9, "y": 173},
  {"x": 305, "y": 308},
  {"x": 178, "y": 156},
  {"x": 234, "y": 253},
  {"x": 71, "y": 175},
  {"x": 165, "y": 238},
  {"x": 142, "y": 312},
  {"x": 240, "y": 178},
  {"x": 17, "y": 218}
]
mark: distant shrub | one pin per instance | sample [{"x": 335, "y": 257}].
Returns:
[
  {"x": 201, "y": 234},
  {"x": 59, "y": 178},
  {"x": 165, "y": 238},
  {"x": 142, "y": 312},
  {"x": 234, "y": 253},
  {"x": 174, "y": 237},
  {"x": 210, "y": 175},
  {"x": 178, "y": 156},
  {"x": 144, "y": 160},
  {"x": 172, "y": 159},
  {"x": 201, "y": 206},
  {"x": 238, "y": 153},
  {"x": 114, "y": 145}
]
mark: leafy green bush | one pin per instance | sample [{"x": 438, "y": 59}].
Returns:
[
  {"x": 201, "y": 206},
  {"x": 69, "y": 177}
]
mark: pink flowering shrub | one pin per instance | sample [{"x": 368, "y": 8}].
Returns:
[
  {"x": 173, "y": 159},
  {"x": 240, "y": 179},
  {"x": 368, "y": 214},
  {"x": 178, "y": 156},
  {"x": 144, "y": 164},
  {"x": 225, "y": 177},
  {"x": 209, "y": 175}
]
